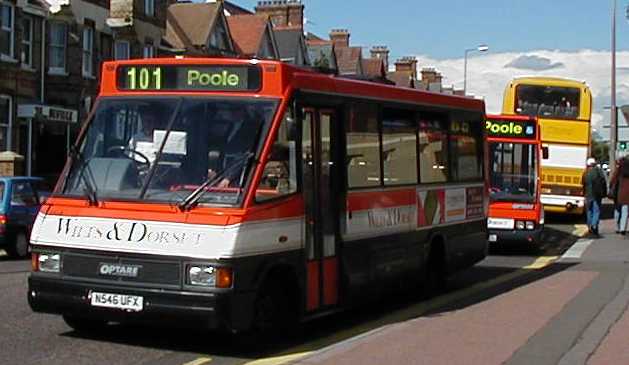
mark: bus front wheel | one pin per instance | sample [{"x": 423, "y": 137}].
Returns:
[{"x": 273, "y": 311}]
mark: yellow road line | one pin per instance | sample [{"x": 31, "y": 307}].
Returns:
[
  {"x": 282, "y": 359},
  {"x": 541, "y": 262},
  {"x": 200, "y": 361}
]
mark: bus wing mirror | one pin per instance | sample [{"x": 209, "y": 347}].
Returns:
[{"x": 545, "y": 153}]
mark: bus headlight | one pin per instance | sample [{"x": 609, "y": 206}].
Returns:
[
  {"x": 201, "y": 275},
  {"x": 49, "y": 262},
  {"x": 520, "y": 225},
  {"x": 210, "y": 276},
  {"x": 530, "y": 225}
]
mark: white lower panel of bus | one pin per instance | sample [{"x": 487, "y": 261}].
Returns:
[
  {"x": 563, "y": 200},
  {"x": 565, "y": 156},
  {"x": 164, "y": 238}
]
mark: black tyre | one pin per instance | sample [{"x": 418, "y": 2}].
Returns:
[
  {"x": 435, "y": 273},
  {"x": 19, "y": 247},
  {"x": 274, "y": 312},
  {"x": 85, "y": 325}
]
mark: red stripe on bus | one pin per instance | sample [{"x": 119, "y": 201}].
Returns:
[
  {"x": 330, "y": 281},
  {"x": 380, "y": 199},
  {"x": 312, "y": 300}
]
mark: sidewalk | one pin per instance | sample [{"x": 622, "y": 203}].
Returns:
[{"x": 495, "y": 330}]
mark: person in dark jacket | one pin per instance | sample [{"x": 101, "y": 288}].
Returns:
[
  {"x": 619, "y": 192},
  {"x": 594, "y": 188}
]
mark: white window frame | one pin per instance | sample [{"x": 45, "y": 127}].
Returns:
[
  {"x": 88, "y": 52},
  {"x": 8, "y": 126},
  {"x": 9, "y": 57},
  {"x": 148, "y": 51},
  {"x": 149, "y": 7},
  {"x": 56, "y": 70},
  {"x": 116, "y": 56},
  {"x": 27, "y": 44}
]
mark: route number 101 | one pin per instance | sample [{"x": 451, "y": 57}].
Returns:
[{"x": 144, "y": 78}]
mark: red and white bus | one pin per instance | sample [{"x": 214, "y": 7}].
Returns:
[
  {"x": 516, "y": 213},
  {"x": 243, "y": 194}
]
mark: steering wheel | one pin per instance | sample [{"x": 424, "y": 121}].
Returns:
[{"x": 125, "y": 151}]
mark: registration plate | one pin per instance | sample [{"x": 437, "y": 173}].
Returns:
[
  {"x": 500, "y": 223},
  {"x": 120, "y": 301}
]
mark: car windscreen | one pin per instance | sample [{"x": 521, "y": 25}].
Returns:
[{"x": 162, "y": 149}]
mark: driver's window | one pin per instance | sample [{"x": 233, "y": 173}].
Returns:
[{"x": 279, "y": 177}]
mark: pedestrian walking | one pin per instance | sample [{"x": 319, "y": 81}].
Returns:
[
  {"x": 619, "y": 192},
  {"x": 594, "y": 188}
]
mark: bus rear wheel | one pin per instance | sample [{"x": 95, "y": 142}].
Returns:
[{"x": 435, "y": 272}]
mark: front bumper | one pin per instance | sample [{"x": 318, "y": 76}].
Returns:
[
  {"x": 517, "y": 236},
  {"x": 215, "y": 311}
]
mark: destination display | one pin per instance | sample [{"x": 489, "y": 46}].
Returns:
[
  {"x": 511, "y": 129},
  {"x": 188, "y": 78}
]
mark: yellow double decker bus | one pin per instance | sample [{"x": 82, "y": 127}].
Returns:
[{"x": 563, "y": 108}]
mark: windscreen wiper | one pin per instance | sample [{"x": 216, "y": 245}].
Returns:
[
  {"x": 88, "y": 188},
  {"x": 192, "y": 199},
  {"x": 158, "y": 155}
]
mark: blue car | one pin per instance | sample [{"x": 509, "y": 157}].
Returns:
[{"x": 20, "y": 199}]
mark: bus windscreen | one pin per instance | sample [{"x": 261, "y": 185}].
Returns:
[
  {"x": 162, "y": 149},
  {"x": 513, "y": 172},
  {"x": 547, "y": 101}
]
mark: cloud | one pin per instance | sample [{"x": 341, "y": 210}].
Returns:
[
  {"x": 487, "y": 76},
  {"x": 534, "y": 63}
]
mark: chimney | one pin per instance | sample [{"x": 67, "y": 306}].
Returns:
[
  {"x": 408, "y": 64},
  {"x": 430, "y": 75},
  {"x": 432, "y": 79},
  {"x": 340, "y": 37},
  {"x": 283, "y": 13},
  {"x": 381, "y": 52}
]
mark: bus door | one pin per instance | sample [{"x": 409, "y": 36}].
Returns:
[{"x": 320, "y": 196}]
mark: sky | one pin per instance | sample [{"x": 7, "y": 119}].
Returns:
[{"x": 565, "y": 38}]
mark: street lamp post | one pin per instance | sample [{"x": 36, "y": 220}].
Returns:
[
  {"x": 613, "y": 112},
  {"x": 481, "y": 48}
]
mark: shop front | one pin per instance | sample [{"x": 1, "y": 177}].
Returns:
[{"x": 45, "y": 134}]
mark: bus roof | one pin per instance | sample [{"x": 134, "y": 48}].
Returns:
[
  {"x": 510, "y": 117},
  {"x": 549, "y": 81},
  {"x": 279, "y": 79}
]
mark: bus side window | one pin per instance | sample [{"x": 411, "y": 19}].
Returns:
[{"x": 279, "y": 177}]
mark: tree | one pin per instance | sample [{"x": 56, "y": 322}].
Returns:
[{"x": 600, "y": 148}]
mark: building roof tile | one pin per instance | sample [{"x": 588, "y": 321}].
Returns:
[
  {"x": 349, "y": 60},
  {"x": 374, "y": 67},
  {"x": 247, "y": 32},
  {"x": 190, "y": 24}
]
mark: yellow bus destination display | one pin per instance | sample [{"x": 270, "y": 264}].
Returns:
[
  {"x": 511, "y": 129},
  {"x": 188, "y": 78}
]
